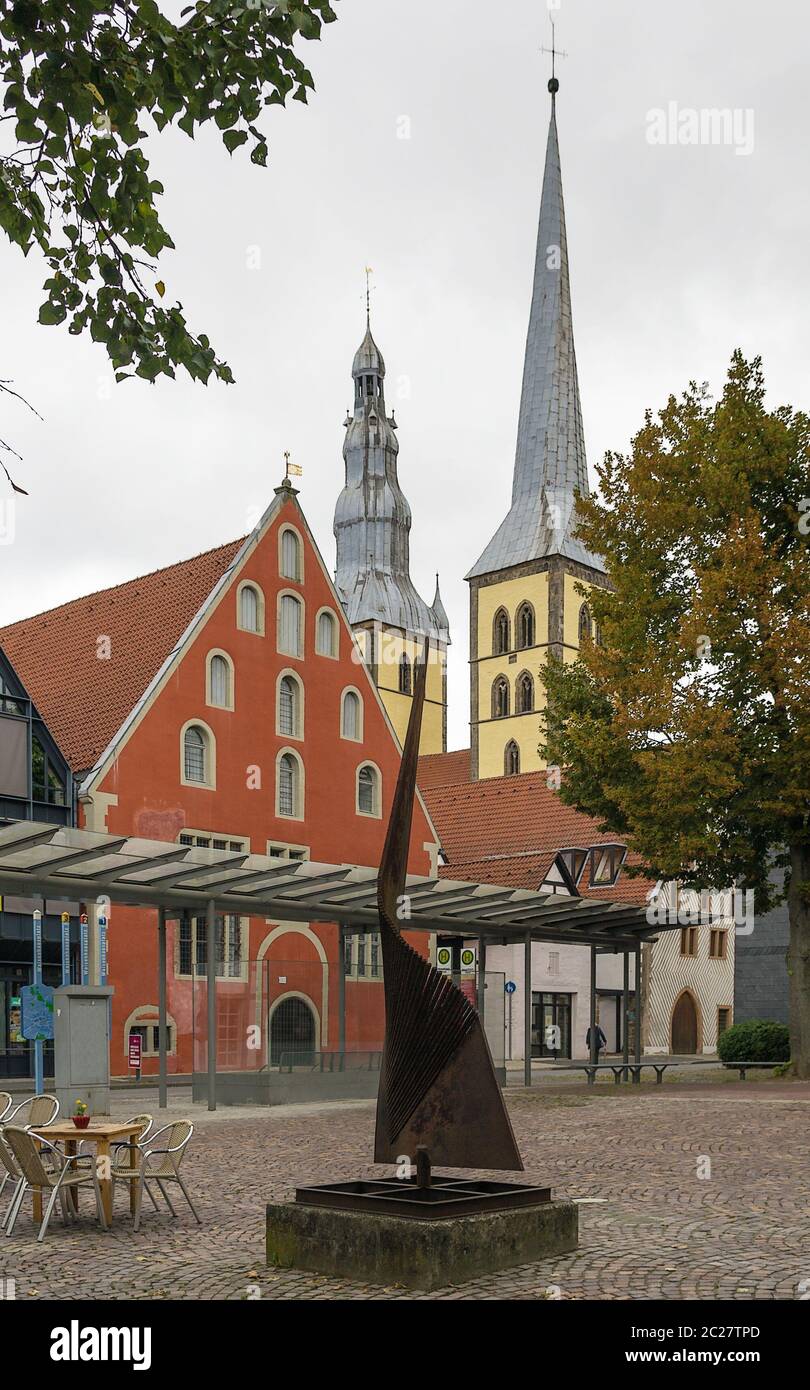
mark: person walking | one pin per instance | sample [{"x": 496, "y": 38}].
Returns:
[{"x": 600, "y": 1041}]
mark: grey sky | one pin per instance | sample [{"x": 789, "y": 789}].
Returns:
[{"x": 678, "y": 254}]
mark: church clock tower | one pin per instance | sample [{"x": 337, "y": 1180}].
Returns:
[
  {"x": 372, "y": 528},
  {"x": 523, "y": 597}
]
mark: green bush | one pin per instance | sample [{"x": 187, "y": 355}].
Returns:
[{"x": 756, "y": 1040}]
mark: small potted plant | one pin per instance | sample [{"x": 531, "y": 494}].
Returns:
[{"x": 81, "y": 1119}]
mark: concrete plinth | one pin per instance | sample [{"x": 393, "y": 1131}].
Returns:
[{"x": 417, "y": 1253}]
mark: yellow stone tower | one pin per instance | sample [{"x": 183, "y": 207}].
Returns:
[
  {"x": 372, "y": 576},
  {"x": 523, "y": 597}
]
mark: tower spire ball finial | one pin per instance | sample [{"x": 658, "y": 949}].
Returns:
[{"x": 553, "y": 83}]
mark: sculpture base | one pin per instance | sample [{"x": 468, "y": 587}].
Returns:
[{"x": 423, "y": 1251}]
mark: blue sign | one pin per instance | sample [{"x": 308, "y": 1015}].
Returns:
[
  {"x": 510, "y": 986},
  {"x": 37, "y": 1013}
]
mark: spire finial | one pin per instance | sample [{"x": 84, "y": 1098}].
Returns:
[
  {"x": 369, "y": 273},
  {"x": 555, "y": 52}
]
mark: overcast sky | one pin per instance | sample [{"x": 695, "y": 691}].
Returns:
[{"x": 679, "y": 254}]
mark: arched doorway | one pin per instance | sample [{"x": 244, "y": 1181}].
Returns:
[
  {"x": 292, "y": 1032},
  {"x": 684, "y": 1025}
]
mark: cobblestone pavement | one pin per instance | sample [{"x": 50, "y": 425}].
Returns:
[{"x": 650, "y": 1226}]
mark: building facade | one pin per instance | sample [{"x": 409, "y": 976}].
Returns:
[
  {"x": 35, "y": 784},
  {"x": 372, "y": 576},
  {"x": 230, "y": 709}
]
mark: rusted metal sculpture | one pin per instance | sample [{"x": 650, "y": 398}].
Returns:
[{"x": 438, "y": 1090}]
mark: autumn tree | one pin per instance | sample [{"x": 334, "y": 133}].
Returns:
[
  {"x": 83, "y": 86},
  {"x": 687, "y": 728}
]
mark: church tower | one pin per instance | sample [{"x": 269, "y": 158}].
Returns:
[
  {"x": 372, "y": 577},
  {"x": 523, "y": 597}
]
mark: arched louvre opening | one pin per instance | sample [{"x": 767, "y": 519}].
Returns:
[
  {"x": 500, "y": 698},
  {"x": 511, "y": 760},
  {"x": 525, "y": 626},
  {"x": 500, "y": 632}
]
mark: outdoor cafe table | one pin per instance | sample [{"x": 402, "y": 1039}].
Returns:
[{"x": 101, "y": 1133}]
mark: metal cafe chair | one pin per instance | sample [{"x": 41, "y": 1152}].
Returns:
[
  {"x": 67, "y": 1172},
  {"x": 43, "y": 1110},
  {"x": 9, "y": 1169},
  {"x": 161, "y": 1165},
  {"x": 124, "y": 1171},
  {"x": 6, "y": 1102}
]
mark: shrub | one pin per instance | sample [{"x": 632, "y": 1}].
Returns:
[{"x": 756, "y": 1040}]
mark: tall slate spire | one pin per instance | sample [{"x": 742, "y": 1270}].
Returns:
[
  {"x": 550, "y": 455},
  {"x": 372, "y": 517}
]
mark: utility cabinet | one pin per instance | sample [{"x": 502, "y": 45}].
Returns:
[{"x": 81, "y": 1047}]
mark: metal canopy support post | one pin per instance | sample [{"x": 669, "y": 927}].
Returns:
[
  {"x": 162, "y": 1031},
  {"x": 341, "y": 974},
  {"x": 594, "y": 1053},
  {"x": 527, "y": 1010},
  {"x": 637, "y": 1014},
  {"x": 482, "y": 977},
  {"x": 211, "y": 973},
  {"x": 625, "y": 1008}
]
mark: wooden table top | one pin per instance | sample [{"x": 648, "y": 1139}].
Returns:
[{"x": 97, "y": 1129}]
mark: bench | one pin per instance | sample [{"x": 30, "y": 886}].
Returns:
[{"x": 620, "y": 1069}]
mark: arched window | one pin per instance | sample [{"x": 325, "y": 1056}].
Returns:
[
  {"x": 288, "y": 720},
  {"x": 290, "y": 562},
  {"x": 250, "y": 608},
  {"x": 404, "y": 674},
  {"x": 197, "y": 755},
  {"x": 326, "y": 634},
  {"x": 511, "y": 759},
  {"x": 220, "y": 681},
  {"x": 524, "y": 624},
  {"x": 584, "y": 623},
  {"x": 368, "y": 790},
  {"x": 500, "y": 632},
  {"x": 351, "y": 719},
  {"x": 290, "y": 625},
  {"x": 524, "y": 694},
  {"x": 289, "y": 786},
  {"x": 500, "y": 698}
]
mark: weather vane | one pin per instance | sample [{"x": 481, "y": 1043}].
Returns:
[
  {"x": 555, "y": 52},
  {"x": 369, "y": 273},
  {"x": 291, "y": 470}
]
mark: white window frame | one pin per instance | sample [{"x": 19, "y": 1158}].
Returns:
[
  {"x": 298, "y": 731},
  {"x": 298, "y": 598},
  {"x": 210, "y": 783},
  {"x": 352, "y": 690},
  {"x": 330, "y": 612},
  {"x": 298, "y": 809},
  {"x": 376, "y": 812},
  {"x": 286, "y": 529},
  {"x": 257, "y": 589},
  {"x": 209, "y": 693}
]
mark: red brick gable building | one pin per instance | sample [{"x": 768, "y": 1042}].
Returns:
[{"x": 222, "y": 702}]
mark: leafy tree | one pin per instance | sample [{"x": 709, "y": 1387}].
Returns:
[
  {"x": 83, "y": 84},
  {"x": 688, "y": 728}
]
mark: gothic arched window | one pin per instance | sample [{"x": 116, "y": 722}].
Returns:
[
  {"x": 524, "y": 694},
  {"x": 500, "y": 632},
  {"x": 404, "y": 675},
  {"x": 511, "y": 759},
  {"x": 584, "y": 623},
  {"x": 524, "y": 625},
  {"x": 500, "y": 698}
]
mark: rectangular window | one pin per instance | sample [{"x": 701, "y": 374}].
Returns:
[
  {"x": 361, "y": 955},
  {"x": 688, "y": 941},
  {"x": 717, "y": 943},
  {"x": 185, "y": 945},
  {"x": 723, "y": 1020},
  {"x": 375, "y": 955}
]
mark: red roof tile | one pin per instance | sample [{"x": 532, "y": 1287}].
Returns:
[
  {"x": 508, "y": 830},
  {"x": 441, "y": 769},
  {"x": 83, "y": 699}
]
